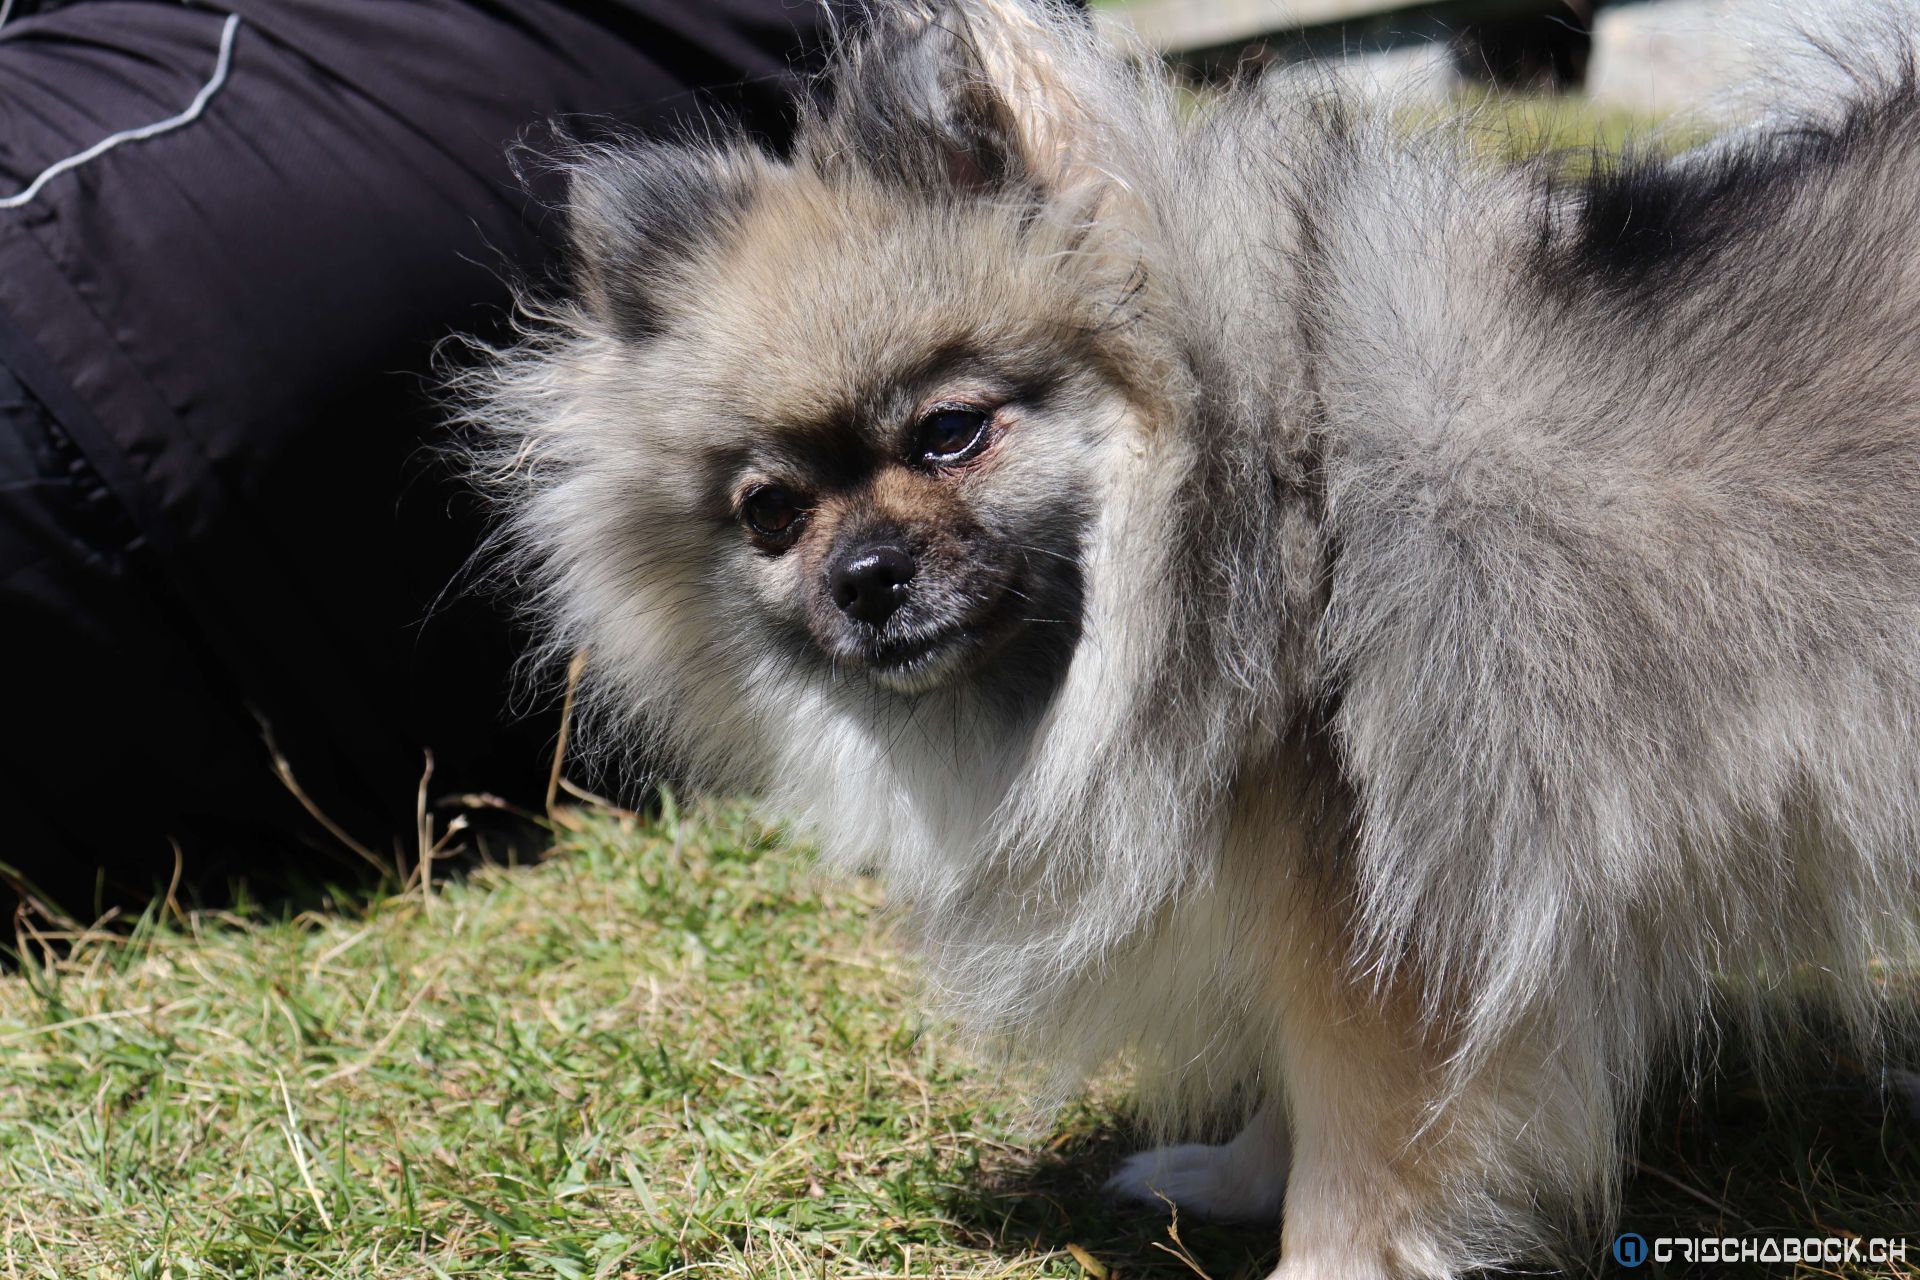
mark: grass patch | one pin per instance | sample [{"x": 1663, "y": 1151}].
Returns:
[
  {"x": 668, "y": 1046},
  {"x": 671, "y": 1048},
  {"x": 1580, "y": 137}
]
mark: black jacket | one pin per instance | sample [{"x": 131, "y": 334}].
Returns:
[{"x": 219, "y": 507}]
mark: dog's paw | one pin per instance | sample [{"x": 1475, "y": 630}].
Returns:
[{"x": 1228, "y": 1183}]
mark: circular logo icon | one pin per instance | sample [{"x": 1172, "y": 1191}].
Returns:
[{"x": 1630, "y": 1250}]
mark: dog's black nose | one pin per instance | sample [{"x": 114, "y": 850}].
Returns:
[{"x": 870, "y": 583}]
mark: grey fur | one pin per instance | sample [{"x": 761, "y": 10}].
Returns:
[{"x": 1471, "y": 614}]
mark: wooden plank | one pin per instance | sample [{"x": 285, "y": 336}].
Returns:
[{"x": 1187, "y": 26}]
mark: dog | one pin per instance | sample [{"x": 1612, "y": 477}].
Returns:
[{"x": 1394, "y": 642}]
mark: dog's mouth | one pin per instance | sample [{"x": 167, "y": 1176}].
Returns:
[
  {"x": 923, "y": 663},
  {"x": 927, "y": 658}
]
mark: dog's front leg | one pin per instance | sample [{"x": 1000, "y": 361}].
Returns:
[
  {"x": 1403, "y": 1169},
  {"x": 1358, "y": 1201}
]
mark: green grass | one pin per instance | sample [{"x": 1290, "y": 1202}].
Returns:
[
  {"x": 670, "y": 1048},
  {"x": 1513, "y": 126},
  {"x": 670, "y": 1045}
]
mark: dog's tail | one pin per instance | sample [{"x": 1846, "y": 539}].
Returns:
[{"x": 1810, "y": 64}]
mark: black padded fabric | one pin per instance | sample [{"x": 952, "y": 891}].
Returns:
[{"x": 218, "y": 502}]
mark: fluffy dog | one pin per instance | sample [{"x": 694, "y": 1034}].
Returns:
[{"x": 1374, "y": 634}]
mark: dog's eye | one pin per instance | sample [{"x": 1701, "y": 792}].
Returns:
[
  {"x": 772, "y": 513},
  {"x": 950, "y": 434}
]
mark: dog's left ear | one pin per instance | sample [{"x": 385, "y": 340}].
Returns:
[{"x": 967, "y": 95}]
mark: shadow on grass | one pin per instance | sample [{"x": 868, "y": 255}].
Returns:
[
  {"x": 1828, "y": 1146},
  {"x": 1052, "y": 1199},
  {"x": 54, "y": 905},
  {"x": 1831, "y": 1148}
]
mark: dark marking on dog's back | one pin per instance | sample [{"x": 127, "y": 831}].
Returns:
[{"x": 1651, "y": 228}]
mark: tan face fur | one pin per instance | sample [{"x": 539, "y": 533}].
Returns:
[{"x": 831, "y": 346}]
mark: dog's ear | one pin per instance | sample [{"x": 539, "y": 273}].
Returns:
[
  {"x": 968, "y": 95},
  {"x": 637, "y": 215}
]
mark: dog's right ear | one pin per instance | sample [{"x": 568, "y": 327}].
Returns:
[
  {"x": 637, "y": 215},
  {"x": 975, "y": 96}
]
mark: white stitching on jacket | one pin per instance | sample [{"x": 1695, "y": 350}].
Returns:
[{"x": 145, "y": 131}]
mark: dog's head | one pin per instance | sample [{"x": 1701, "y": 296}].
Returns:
[{"x": 842, "y": 415}]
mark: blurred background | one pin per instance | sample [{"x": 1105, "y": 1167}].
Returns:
[{"x": 1648, "y": 58}]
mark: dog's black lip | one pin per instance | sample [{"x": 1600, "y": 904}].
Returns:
[
  {"x": 905, "y": 652},
  {"x": 980, "y": 628}
]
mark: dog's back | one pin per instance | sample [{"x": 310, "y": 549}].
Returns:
[
  {"x": 1625, "y": 478},
  {"x": 1622, "y": 485},
  {"x": 1616, "y": 483}
]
